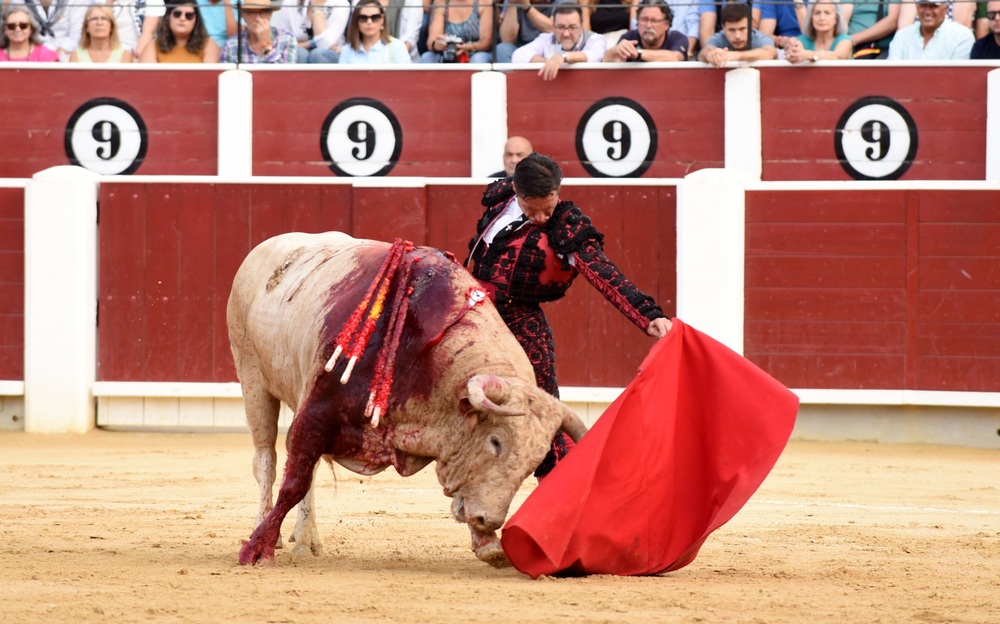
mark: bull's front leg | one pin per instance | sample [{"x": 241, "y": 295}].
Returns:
[
  {"x": 487, "y": 547},
  {"x": 308, "y": 439},
  {"x": 306, "y": 534}
]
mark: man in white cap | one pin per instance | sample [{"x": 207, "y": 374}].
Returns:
[{"x": 932, "y": 38}]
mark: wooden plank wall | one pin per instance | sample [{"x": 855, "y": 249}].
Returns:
[
  {"x": 800, "y": 108},
  {"x": 12, "y": 283},
  {"x": 179, "y": 109},
  {"x": 168, "y": 253},
  {"x": 874, "y": 290}
]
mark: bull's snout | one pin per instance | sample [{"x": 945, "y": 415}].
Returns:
[{"x": 482, "y": 519}]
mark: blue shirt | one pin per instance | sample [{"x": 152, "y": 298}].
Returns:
[
  {"x": 380, "y": 53},
  {"x": 213, "y": 16},
  {"x": 784, "y": 12},
  {"x": 757, "y": 40}
]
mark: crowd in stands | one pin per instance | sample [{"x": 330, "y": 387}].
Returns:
[{"x": 551, "y": 33}]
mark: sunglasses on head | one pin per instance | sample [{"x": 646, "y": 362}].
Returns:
[
  {"x": 377, "y": 17},
  {"x": 17, "y": 25},
  {"x": 188, "y": 15}
]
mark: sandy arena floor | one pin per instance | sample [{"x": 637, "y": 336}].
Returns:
[{"x": 138, "y": 527}]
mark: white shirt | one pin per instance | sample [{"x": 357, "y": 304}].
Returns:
[
  {"x": 294, "y": 17},
  {"x": 950, "y": 42},
  {"x": 546, "y": 46}
]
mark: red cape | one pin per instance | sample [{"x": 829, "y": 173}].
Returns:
[{"x": 671, "y": 460}]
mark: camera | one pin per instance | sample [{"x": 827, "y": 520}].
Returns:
[{"x": 451, "y": 54}]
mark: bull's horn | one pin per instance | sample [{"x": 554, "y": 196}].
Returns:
[
  {"x": 489, "y": 393},
  {"x": 571, "y": 423}
]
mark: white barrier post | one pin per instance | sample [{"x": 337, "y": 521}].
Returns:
[
  {"x": 993, "y": 126},
  {"x": 60, "y": 300},
  {"x": 235, "y": 156},
  {"x": 489, "y": 122},
  {"x": 743, "y": 125},
  {"x": 711, "y": 225}
]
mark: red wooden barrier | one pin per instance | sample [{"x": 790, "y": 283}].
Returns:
[
  {"x": 887, "y": 289},
  {"x": 161, "y": 122},
  {"x": 914, "y": 123},
  {"x": 577, "y": 119},
  {"x": 420, "y": 119},
  {"x": 12, "y": 283},
  {"x": 168, "y": 253}
]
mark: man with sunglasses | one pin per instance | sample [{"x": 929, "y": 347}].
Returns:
[{"x": 989, "y": 46}]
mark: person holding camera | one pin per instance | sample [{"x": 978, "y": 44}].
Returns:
[
  {"x": 459, "y": 32},
  {"x": 567, "y": 43}
]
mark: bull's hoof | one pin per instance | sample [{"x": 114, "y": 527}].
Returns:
[
  {"x": 492, "y": 553},
  {"x": 302, "y": 549},
  {"x": 256, "y": 551}
]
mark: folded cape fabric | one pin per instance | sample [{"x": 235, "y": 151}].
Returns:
[{"x": 675, "y": 457}]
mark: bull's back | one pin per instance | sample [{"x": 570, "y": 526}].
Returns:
[{"x": 276, "y": 306}]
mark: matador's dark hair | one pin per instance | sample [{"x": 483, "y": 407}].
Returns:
[{"x": 537, "y": 175}]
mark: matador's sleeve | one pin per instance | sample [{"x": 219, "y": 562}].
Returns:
[{"x": 574, "y": 234}]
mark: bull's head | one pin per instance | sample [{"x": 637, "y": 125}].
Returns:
[{"x": 510, "y": 429}]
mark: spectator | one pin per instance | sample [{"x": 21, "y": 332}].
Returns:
[
  {"x": 568, "y": 43},
  {"x": 259, "y": 41},
  {"x": 404, "y": 20},
  {"x": 181, "y": 38},
  {"x": 686, "y": 22},
  {"x": 521, "y": 23},
  {"x": 825, "y": 36},
  {"x": 514, "y": 151},
  {"x": 933, "y": 38},
  {"x": 99, "y": 42},
  {"x": 469, "y": 28},
  {"x": 368, "y": 38},
  {"x": 871, "y": 26},
  {"x": 737, "y": 41},
  {"x": 653, "y": 40},
  {"x": 19, "y": 39},
  {"x": 56, "y": 30},
  {"x": 783, "y": 20},
  {"x": 135, "y": 23},
  {"x": 610, "y": 18},
  {"x": 982, "y": 24},
  {"x": 317, "y": 25},
  {"x": 710, "y": 21},
  {"x": 961, "y": 11},
  {"x": 219, "y": 19},
  {"x": 988, "y": 46}
]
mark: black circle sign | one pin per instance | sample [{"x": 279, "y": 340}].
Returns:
[
  {"x": 876, "y": 139},
  {"x": 361, "y": 137},
  {"x": 616, "y": 138},
  {"x": 106, "y": 136}
]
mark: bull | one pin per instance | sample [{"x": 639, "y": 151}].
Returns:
[{"x": 463, "y": 392}]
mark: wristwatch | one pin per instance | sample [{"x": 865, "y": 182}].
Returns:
[
  {"x": 638, "y": 54},
  {"x": 564, "y": 54},
  {"x": 814, "y": 58}
]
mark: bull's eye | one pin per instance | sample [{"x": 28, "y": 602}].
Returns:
[{"x": 496, "y": 445}]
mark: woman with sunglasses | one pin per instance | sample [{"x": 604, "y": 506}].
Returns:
[
  {"x": 19, "y": 39},
  {"x": 181, "y": 38},
  {"x": 99, "y": 41},
  {"x": 368, "y": 40}
]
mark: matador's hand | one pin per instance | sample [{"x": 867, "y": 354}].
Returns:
[{"x": 659, "y": 327}]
